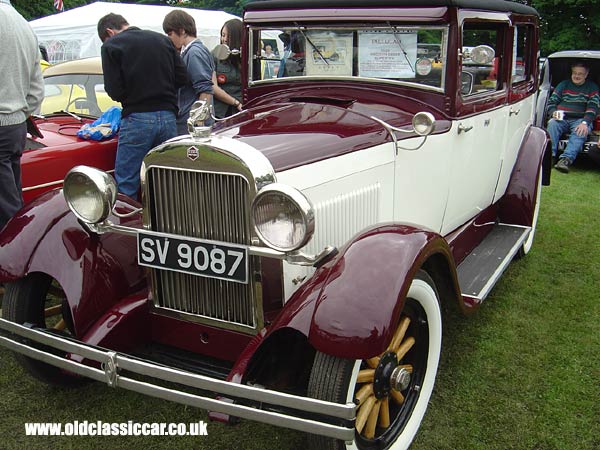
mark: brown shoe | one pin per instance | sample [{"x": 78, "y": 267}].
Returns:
[{"x": 563, "y": 165}]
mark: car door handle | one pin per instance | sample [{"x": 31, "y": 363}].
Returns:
[
  {"x": 462, "y": 128},
  {"x": 513, "y": 111}
]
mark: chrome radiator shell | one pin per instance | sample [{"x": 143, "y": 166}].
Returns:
[{"x": 204, "y": 189}]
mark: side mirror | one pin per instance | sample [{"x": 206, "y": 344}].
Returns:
[
  {"x": 222, "y": 51},
  {"x": 423, "y": 123}
]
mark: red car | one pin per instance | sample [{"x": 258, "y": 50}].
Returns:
[
  {"x": 288, "y": 265},
  {"x": 73, "y": 96}
]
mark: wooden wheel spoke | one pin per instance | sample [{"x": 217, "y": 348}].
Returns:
[
  {"x": 373, "y": 362},
  {"x": 366, "y": 376},
  {"x": 372, "y": 420},
  {"x": 60, "y": 325},
  {"x": 363, "y": 393},
  {"x": 405, "y": 347},
  {"x": 364, "y": 412},
  {"x": 384, "y": 413},
  {"x": 397, "y": 396},
  {"x": 52, "y": 310},
  {"x": 399, "y": 334}
]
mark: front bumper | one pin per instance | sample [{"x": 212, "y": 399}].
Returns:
[{"x": 330, "y": 419}]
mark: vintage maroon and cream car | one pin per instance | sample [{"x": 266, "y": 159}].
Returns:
[{"x": 292, "y": 260}]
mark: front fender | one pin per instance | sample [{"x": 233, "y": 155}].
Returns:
[
  {"x": 95, "y": 271},
  {"x": 349, "y": 307},
  {"x": 363, "y": 296}
]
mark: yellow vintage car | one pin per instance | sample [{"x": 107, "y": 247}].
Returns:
[{"x": 76, "y": 86}]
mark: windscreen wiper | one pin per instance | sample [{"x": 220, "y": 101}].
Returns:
[
  {"x": 411, "y": 65},
  {"x": 311, "y": 44},
  {"x": 73, "y": 115}
]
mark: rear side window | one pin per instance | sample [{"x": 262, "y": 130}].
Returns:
[{"x": 522, "y": 60}]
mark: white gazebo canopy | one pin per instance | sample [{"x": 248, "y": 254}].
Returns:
[{"x": 73, "y": 34}]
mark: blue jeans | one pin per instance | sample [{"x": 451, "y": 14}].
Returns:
[
  {"x": 12, "y": 143},
  {"x": 556, "y": 128},
  {"x": 139, "y": 133}
]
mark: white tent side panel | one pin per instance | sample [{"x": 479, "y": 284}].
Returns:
[{"x": 73, "y": 34}]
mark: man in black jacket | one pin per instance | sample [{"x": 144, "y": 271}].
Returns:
[{"x": 142, "y": 70}]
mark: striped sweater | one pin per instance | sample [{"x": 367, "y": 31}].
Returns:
[{"x": 577, "y": 101}]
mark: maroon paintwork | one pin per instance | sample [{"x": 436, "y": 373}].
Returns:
[
  {"x": 94, "y": 271},
  {"x": 303, "y": 133},
  {"x": 517, "y": 205},
  {"x": 46, "y": 160}
]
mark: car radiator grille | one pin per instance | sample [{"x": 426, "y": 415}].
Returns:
[{"x": 208, "y": 206}]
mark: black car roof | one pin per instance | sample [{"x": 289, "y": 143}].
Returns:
[{"x": 487, "y": 5}]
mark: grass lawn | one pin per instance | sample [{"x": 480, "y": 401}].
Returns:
[{"x": 522, "y": 373}]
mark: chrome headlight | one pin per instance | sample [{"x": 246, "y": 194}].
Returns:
[
  {"x": 90, "y": 193},
  {"x": 423, "y": 123},
  {"x": 283, "y": 217}
]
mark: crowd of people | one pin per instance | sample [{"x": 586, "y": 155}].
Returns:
[
  {"x": 156, "y": 78},
  {"x": 177, "y": 69}
]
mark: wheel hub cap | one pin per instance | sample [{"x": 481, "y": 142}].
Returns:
[{"x": 400, "y": 379}]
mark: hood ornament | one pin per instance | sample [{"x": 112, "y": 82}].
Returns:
[{"x": 200, "y": 112}]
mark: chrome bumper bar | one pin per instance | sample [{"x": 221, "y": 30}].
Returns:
[{"x": 296, "y": 407}]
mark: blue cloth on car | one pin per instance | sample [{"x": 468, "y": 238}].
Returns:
[{"x": 106, "y": 126}]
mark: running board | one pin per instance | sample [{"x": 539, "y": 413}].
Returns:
[{"x": 482, "y": 269}]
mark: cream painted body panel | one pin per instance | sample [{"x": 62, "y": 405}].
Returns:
[
  {"x": 474, "y": 165},
  {"x": 521, "y": 118},
  {"x": 441, "y": 185},
  {"x": 422, "y": 181},
  {"x": 348, "y": 193}
]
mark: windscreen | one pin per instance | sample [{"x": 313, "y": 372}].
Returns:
[{"x": 415, "y": 55}]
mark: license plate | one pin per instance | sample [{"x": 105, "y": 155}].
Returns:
[{"x": 194, "y": 256}]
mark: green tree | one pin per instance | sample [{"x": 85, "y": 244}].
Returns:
[
  {"x": 568, "y": 24},
  {"x": 34, "y": 9}
]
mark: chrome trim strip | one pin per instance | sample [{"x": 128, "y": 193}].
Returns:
[
  {"x": 112, "y": 362},
  {"x": 72, "y": 366},
  {"x": 245, "y": 412},
  {"x": 51, "y": 183},
  {"x": 235, "y": 389},
  {"x": 346, "y": 79}
]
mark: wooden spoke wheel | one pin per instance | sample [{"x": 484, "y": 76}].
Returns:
[
  {"x": 39, "y": 300},
  {"x": 391, "y": 390}
]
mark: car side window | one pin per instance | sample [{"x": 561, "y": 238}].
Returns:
[
  {"x": 477, "y": 77},
  {"x": 522, "y": 60}
]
